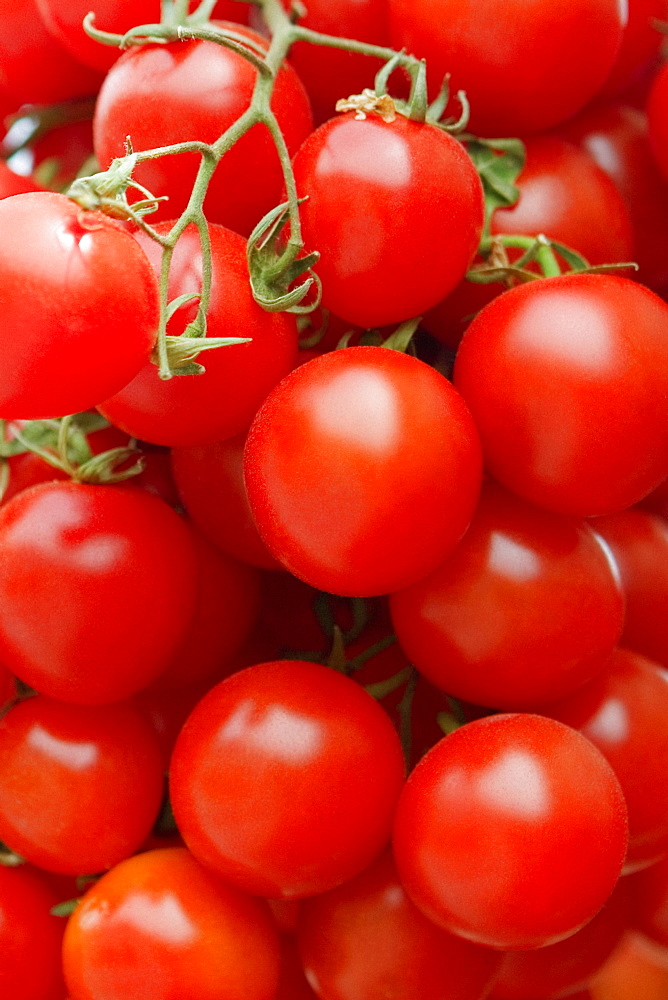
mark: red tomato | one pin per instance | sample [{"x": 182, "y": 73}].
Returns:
[
  {"x": 396, "y": 211},
  {"x": 649, "y": 890},
  {"x": 80, "y": 788},
  {"x": 526, "y": 609},
  {"x": 30, "y": 938},
  {"x": 567, "y": 380},
  {"x": 511, "y": 832},
  {"x": 192, "y": 409},
  {"x": 97, "y": 589},
  {"x": 64, "y": 21},
  {"x": 159, "y": 925},
  {"x": 34, "y": 67},
  {"x": 656, "y": 118},
  {"x": 624, "y": 712},
  {"x": 558, "y": 969},
  {"x": 616, "y": 137},
  {"x": 363, "y": 471},
  {"x": 285, "y": 778},
  {"x": 185, "y": 91},
  {"x": 639, "y": 543},
  {"x": 523, "y": 71},
  {"x": 640, "y": 45},
  {"x": 210, "y": 481},
  {"x": 11, "y": 183},
  {"x": 79, "y": 303},
  {"x": 366, "y": 940}
]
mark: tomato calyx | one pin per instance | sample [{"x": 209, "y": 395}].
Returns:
[
  {"x": 9, "y": 858},
  {"x": 274, "y": 265}
]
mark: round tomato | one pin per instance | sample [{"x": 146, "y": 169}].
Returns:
[
  {"x": 395, "y": 208},
  {"x": 523, "y": 68},
  {"x": 79, "y": 303},
  {"x": 511, "y": 832},
  {"x": 160, "y": 926},
  {"x": 221, "y": 402},
  {"x": 285, "y": 778},
  {"x": 80, "y": 788},
  {"x": 363, "y": 471},
  {"x": 567, "y": 381},
  {"x": 30, "y": 937},
  {"x": 195, "y": 90},
  {"x": 97, "y": 589}
]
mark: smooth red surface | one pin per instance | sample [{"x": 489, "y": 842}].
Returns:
[
  {"x": 567, "y": 381},
  {"x": 363, "y": 470},
  {"x": 193, "y": 409},
  {"x": 30, "y": 938},
  {"x": 641, "y": 43},
  {"x": 97, "y": 589},
  {"x": 511, "y": 832},
  {"x": 639, "y": 543},
  {"x": 185, "y": 91},
  {"x": 624, "y": 712},
  {"x": 80, "y": 788},
  {"x": 396, "y": 211},
  {"x": 79, "y": 303},
  {"x": 367, "y": 940},
  {"x": 161, "y": 927},
  {"x": 526, "y": 609},
  {"x": 524, "y": 69},
  {"x": 285, "y": 778}
]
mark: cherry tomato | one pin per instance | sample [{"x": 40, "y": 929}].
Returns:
[
  {"x": 523, "y": 71},
  {"x": 160, "y": 926},
  {"x": 526, "y": 609},
  {"x": 396, "y": 211},
  {"x": 285, "y": 778},
  {"x": 363, "y": 471},
  {"x": 366, "y": 939},
  {"x": 192, "y": 409},
  {"x": 624, "y": 713},
  {"x": 640, "y": 45},
  {"x": 567, "y": 380},
  {"x": 97, "y": 589},
  {"x": 30, "y": 937},
  {"x": 511, "y": 832},
  {"x": 79, "y": 303},
  {"x": 194, "y": 90},
  {"x": 80, "y": 788}
]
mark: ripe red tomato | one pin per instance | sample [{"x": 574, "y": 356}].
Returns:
[
  {"x": 640, "y": 46},
  {"x": 191, "y": 409},
  {"x": 396, "y": 211},
  {"x": 526, "y": 609},
  {"x": 624, "y": 712},
  {"x": 567, "y": 381},
  {"x": 363, "y": 471},
  {"x": 194, "y": 90},
  {"x": 30, "y": 937},
  {"x": 160, "y": 925},
  {"x": 366, "y": 939},
  {"x": 523, "y": 70},
  {"x": 511, "y": 832},
  {"x": 285, "y": 778},
  {"x": 97, "y": 589},
  {"x": 80, "y": 788},
  {"x": 79, "y": 303}
]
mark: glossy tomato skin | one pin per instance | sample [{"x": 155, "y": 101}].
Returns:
[
  {"x": 30, "y": 937},
  {"x": 526, "y": 609},
  {"x": 366, "y": 939},
  {"x": 509, "y": 61},
  {"x": 363, "y": 470},
  {"x": 97, "y": 588},
  {"x": 511, "y": 832},
  {"x": 656, "y": 118},
  {"x": 220, "y": 403},
  {"x": 185, "y": 91},
  {"x": 160, "y": 927},
  {"x": 567, "y": 381},
  {"x": 80, "y": 788},
  {"x": 396, "y": 211},
  {"x": 623, "y": 712},
  {"x": 285, "y": 778},
  {"x": 79, "y": 304}
]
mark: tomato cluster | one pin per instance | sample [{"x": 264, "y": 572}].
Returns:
[{"x": 333, "y": 516}]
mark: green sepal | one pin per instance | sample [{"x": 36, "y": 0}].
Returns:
[
  {"x": 499, "y": 163},
  {"x": 273, "y": 267}
]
